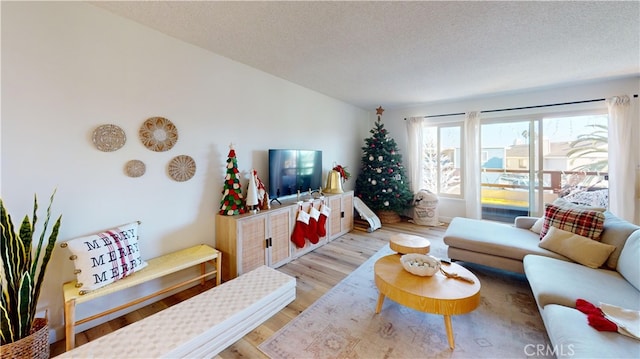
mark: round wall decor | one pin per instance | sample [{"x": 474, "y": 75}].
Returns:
[
  {"x": 135, "y": 168},
  {"x": 158, "y": 134},
  {"x": 109, "y": 138},
  {"x": 182, "y": 168}
]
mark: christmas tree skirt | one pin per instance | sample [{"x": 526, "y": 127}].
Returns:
[{"x": 388, "y": 217}]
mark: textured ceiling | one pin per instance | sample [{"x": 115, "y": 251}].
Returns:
[{"x": 405, "y": 53}]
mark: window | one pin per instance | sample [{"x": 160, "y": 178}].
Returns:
[
  {"x": 534, "y": 160},
  {"x": 441, "y": 171}
]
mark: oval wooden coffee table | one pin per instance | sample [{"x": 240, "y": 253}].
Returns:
[{"x": 437, "y": 294}]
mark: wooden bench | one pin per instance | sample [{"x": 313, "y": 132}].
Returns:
[
  {"x": 156, "y": 268},
  {"x": 201, "y": 326}
]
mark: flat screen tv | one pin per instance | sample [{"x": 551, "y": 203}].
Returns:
[{"x": 293, "y": 170}]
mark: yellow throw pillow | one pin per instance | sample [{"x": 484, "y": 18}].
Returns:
[{"x": 580, "y": 249}]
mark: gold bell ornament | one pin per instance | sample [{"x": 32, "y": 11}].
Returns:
[{"x": 334, "y": 183}]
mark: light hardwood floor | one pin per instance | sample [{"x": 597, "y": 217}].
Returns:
[{"x": 316, "y": 272}]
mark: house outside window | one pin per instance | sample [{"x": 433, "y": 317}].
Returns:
[
  {"x": 543, "y": 158},
  {"x": 525, "y": 162}
]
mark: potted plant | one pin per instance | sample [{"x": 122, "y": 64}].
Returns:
[{"x": 24, "y": 264}]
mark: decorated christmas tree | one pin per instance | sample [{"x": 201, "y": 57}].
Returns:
[
  {"x": 381, "y": 183},
  {"x": 232, "y": 202}
]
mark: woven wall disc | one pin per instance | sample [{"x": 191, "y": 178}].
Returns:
[
  {"x": 135, "y": 168},
  {"x": 158, "y": 134},
  {"x": 182, "y": 168},
  {"x": 109, "y": 138}
]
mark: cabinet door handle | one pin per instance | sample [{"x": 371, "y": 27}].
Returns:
[
  {"x": 268, "y": 242},
  {"x": 342, "y": 214}
]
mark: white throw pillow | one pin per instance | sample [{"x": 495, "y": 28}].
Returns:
[
  {"x": 106, "y": 257},
  {"x": 580, "y": 249},
  {"x": 628, "y": 264}
]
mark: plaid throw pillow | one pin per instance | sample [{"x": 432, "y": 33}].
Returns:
[{"x": 581, "y": 222}]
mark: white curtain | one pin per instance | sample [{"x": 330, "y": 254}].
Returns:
[
  {"x": 624, "y": 156},
  {"x": 415, "y": 151},
  {"x": 472, "y": 165}
]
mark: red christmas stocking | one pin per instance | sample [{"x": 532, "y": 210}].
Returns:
[
  {"x": 312, "y": 230},
  {"x": 300, "y": 229},
  {"x": 322, "y": 221}
]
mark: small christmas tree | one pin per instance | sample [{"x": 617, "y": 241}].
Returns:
[
  {"x": 381, "y": 183},
  {"x": 231, "y": 202}
]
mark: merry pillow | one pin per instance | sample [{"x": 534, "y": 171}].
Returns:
[
  {"x": 581, "y": 222},
  {"x": 106, "y": 257}
]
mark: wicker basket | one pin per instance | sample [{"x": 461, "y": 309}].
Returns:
[
  {"x": 34, "y": 346},
  {"x": 388, "y": 217}
]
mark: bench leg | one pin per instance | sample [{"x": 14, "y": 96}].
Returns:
[
  {"x": 218, "y": 268},
  {"x": 203, "y": 270},
  {"x": 70, "y": 323}
]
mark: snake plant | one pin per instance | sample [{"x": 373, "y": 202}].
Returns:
[{"x": 23, "y": 269}]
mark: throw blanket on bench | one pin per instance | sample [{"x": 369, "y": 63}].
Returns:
[{"x": 201, "y": 326}]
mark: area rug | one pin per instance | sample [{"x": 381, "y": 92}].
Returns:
[{"x": 343, "y": 323}]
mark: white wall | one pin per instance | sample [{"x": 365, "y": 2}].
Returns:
[
  {"x": 68, "y": 67},
  {"x": 449, "y": 208}
]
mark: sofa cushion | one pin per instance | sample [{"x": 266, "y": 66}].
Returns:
[
  {"x": 629, "y": 261},
  {"x": 497, "y": 239},
  {"x": 577, "y": 248},
  {"x": 563, "y": 203},
  {"x": 582, "y": 222},
  {"x": 559, "y": 282},
  {"x": 615, "y": 232},
  {"x": 572, "y": 337}
]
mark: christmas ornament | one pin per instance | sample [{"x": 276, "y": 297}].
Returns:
[{"x": 252, "y": 192}]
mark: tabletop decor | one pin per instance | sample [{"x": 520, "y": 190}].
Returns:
[
  {"x": 182, "y": 168},
  {"x": 158, "y": 134},
  {"x": 342, "y": 170},
  {"x": 109, "y": 138},
  {"x": 423, "y": 265},
  {"x": 232, "y": 201}
]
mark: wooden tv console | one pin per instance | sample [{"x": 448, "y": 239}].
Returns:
[{"x": 248, "y": 241}]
